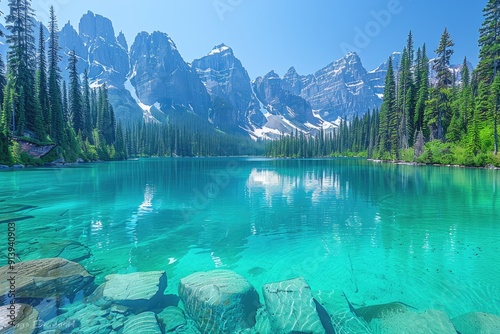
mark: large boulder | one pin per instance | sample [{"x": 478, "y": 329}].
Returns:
[
  {"x": 477, "y": 323},
  {"x": 138, "y": 291},
  {"x": 410, "y": 322},
  {"x": 220, "y": 301},
  {"x": 23, "y": 317},
  {"x": 173, "y": 318},
  {"x": 45, "y": 279},
  {"x": 291, "y": 307},
  {"x": 144, "y": 323}
]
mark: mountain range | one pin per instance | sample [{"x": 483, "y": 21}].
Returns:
[{"x": 149, "y": 80}]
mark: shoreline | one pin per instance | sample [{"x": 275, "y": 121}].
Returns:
[{"x": 420, "y": 164}]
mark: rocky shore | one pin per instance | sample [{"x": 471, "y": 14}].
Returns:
[{"x": 55, "y": 296}]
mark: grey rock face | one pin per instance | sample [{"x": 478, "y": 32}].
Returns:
[
  {"x": 278, "y": 101},
  {"x": 227, "y": 81},
  {"x": 291, "y": 307},
  {"x": 220, "y": 301},
  {"x": 341, "y": 89},
  {"x": 160, "y": 75}
]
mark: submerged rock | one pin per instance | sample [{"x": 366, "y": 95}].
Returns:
[
  {"x": 411, "y": 322},
  {"x": 291, "y": 307},
  {"x": 23, "y": 316},
  {"x": 368, "y": 313},
  {"x": 477, "y": 323},
  {"x": 173, "y": 318},
  {"x": 220, "y": 301},
  {"x": 46, "y": 278},
  {"x": 67, "y": 249},
  {"x": 138, "y": 291},
  {"x": 145, "y": 323},
  {"x": 343, "y": 319}
]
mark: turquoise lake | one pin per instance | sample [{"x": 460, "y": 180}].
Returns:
[{"x": 425, "y": 236}]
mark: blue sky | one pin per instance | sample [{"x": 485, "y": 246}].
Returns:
[{"x": 276, "y": 34}]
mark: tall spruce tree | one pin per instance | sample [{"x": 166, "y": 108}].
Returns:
[
  {"x": 75, "y": 104},
  {"x": 55, "y": 98},
  {"x": 489, "y": 42},
  {"x": 42, "y": 91},
  {"x": 87, "y": 117},
  {"x": 444, "y": 80},
  {"x": 389, "y": 123}
]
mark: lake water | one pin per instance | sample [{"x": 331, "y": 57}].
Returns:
[{"x": 425, "y": 236}]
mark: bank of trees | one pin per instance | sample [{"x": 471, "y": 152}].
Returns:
[
  {"x": 37, "y": 106},
  {"x": 451, "y": 119}
]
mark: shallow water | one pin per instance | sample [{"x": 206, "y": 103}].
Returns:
[{"x": 425, "y": 236}]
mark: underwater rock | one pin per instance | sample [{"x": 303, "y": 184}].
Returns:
[
  {"x": 411, "y": 322},
  {"x": 67, "y": 249},
  {"x": 23, "y": 316},
  {"x": 337, "y": 306},
  {"x": 220, "y": 301},
  {"x": 368, "y": 313},
  {"x": 145, "y": 323},
  {"x": 138, "y": 291},
  {"x": 291, "y": 307},
  {"x": 477, "y": 323},
  {"x": 173, "y": 318},
  {"x": 46, "y": 278}
]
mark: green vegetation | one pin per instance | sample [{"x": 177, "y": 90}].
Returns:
[{"x": 449, "y": 121}]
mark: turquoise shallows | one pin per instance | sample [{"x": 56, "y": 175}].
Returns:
[{"x": 425, "y": 236}]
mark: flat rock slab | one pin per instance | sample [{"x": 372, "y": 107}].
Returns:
[
  {"x": 139, "y": 291},
  {"x": 46, "y": 278},
  {"x": 477, "y": 323},
  {"x": 291, "y": 307},
  {"x": 143, "y": 323},
  {"x": 411, "y": 322},
  {"x": 220, "y": 301},
  {"x": 23, "y": 316}
]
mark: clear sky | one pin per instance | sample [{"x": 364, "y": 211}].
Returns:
[{"x": 276, "y": 34}]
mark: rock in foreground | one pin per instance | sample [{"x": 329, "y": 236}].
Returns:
[
  {"x": 477, "y": 323},
  {"x": 46, "y": 278},
  {"x": 23, "y": 316},
  {"x": 220, "y": 301},
  {"x": 291, "y": 307},
  {"x": 144, "y": 323},
  {"x": 411, "y": 322},
  {"x": 139, "y": 291}
]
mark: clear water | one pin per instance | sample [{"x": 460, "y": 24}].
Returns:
[{"x": 425, "y": 236}]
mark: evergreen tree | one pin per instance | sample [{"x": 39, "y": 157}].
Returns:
[
  {"x": 389, "y": 122},
  {"x": 41, "y": 82},
  {"x": 21, "y": 60},
  {"x": 444, "y": 80},
  {"x": 55, "y": 99},
  {"x": 75, "y": 96},
  {"x": 489, "y": 42},
  {"x": 422, "y": 84},
  {"x": 3, "y": 80},
  {"x": 87, "y": 116}
]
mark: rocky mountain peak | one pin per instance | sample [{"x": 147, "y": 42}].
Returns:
[{"x": 93, "y": 26}]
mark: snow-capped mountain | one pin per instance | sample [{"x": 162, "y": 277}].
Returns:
[
  {"x": 234, "y": 105},
  {"x": 151, "y": 81}
]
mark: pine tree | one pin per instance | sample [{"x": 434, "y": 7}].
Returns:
[
  {"x": 21, "y": 59},
  {"x": 389, "y": 123},
  {"x": 444, "y": 80},
  {"x": 422, "y": 84},
  {"x": 41, "y": 82},
  {"x": 55, "y": 99},
  {"x": 87, "y": 116},
  {"x": 75, "y": 96},
  {"x": 489, "y": 42},
  {"x": 3, "y": 80}
]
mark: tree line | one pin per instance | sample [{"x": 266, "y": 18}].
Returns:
[
  {"x": 452, "y": 119},
  {"x": 37, "y": 106}
]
